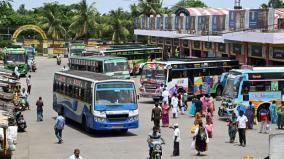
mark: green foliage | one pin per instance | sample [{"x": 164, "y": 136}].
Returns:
[
  {"x": 188, "y": 4},
  {"x": 5, "y": 43},
  {"x": 273, "y": 4}
]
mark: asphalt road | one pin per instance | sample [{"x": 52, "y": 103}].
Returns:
[{"x": 39, "y": 142}]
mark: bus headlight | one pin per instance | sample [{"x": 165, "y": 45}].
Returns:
[
  {"x": 133, "y": 112},
  {"x": 99, "y": 119},
  {"x": 134, "y": 118}
]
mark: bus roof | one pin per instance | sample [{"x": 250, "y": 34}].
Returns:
[
  {"x": 260, "y": 70},
  {"x": 193, "y": 60},
  {"x": 97, "y": 58},
  {"x": 86, "y": 75}
]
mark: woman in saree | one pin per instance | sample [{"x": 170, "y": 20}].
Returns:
[
  {"x": 205, "y": 104},
  {"x": 198, "y": 118},
  {"x": 232, "y": 127},
  {"x": 209, "y": 123},
  {"x": 273, "y": 112},
  {"x": 192, "y": 109},
  {"x": 165, "y": 114},
  {"x": 201, "y": 139}
]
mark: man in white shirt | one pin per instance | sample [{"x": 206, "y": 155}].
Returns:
[
  {"x": 176, "y": 140},
  {"x": 76, "y": 155},
  {"x": 165, "y": 95},
  {"x": 242, "y": 125},
  {"x": 174, "y": 103}
]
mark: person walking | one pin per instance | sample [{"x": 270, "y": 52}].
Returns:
[
  {"x": 76, "y": 155},
  {"x": 39, "y": 109},
  {"x": 165, "y": 95},
  {"x": 209, "y": 123},
  {"x": 29, "y": 84},
  {"x": 24, "y": 95},
  {"x": 192, "y": 108},
  {"x": 156, "y": 115},
  {"x": 174, "y": 103},
  {"x": 250, "y": 115},
  {"x": 176, "y": 139},
  {"x": 242, "y": 121},
  {"x": 201, "y": 139},
  {"x": 232, "y": 127},
  {"x": 165, "y": 114},
  {"x": 59, "y": 126},
  {"x": 263, "y": 118},
  {"x": 205, "y": 104}
]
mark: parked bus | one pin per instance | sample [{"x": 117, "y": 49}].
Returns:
[
  {"x": 260, "y": 85},
  {"x": 135, "y": 54},
  {"x": 111, "y": 66},
  {"x": 96, "y": 101},
  {"x": 77, "y": 49},
  {"x": 16, "y": 56},
  {"x": 195, "y": 76}
]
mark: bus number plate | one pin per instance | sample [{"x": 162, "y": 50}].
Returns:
[{"x": 117, "y": 126}]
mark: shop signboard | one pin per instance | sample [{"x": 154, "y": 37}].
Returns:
[
  {"x": 253, "y": 16},
  {"x": 221, "y": 47},
  {"x": 215, "y": 23},
  {"x": 278, "y": 53},
  {"x": 196, "y": 44},
  {"x": 232, "y": 19},
  {"x": 256, "y": 50},
  {"x": 237, "y": 48}
]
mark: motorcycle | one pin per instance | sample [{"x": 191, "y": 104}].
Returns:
[
  {"x": 23, "y": 104},
  {"x": 157, "y": 150},
  {"x": 58, "y": 60},
  {"x": 21, "y": 123}
]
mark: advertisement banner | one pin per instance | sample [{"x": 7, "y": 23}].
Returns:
[
  {"x": 215, "y": 23},
  {"x": 278, "y": 53},
  {"x": 204, "y": 85},
  {"x": 166, "y": 23},
  {"x": 180, "y": 82},
  {"x": 256, "y": 50},
  {"x": 158, "y": 23},
  {"x": 176, "y": 22},
  {"x": 264, "y": 96},
  {"x": 232, "y": 19},
  {"x": 253, "y": 16}
]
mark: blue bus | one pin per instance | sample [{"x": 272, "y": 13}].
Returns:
[{"x": 96, "y": 101}]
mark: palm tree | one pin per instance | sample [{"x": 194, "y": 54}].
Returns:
[
  {"x": 118, "y": 25},
  {"x": 52, "y": 22},
  {"x": 149, "y": 7},
  {"x": 84, "y": 20}
]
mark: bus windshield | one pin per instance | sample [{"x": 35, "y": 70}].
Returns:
[
  {"x": 115, "y": 93},
  {"x": 231, "y": 88},
  {"x": 15, "y": 58},
  {"x": 116, "y": 66},
  {"x": 154, "y": 73},
  {"x": 76, "y": 51}
]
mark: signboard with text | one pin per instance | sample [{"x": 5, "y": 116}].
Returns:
[
  {"x": 278, "y": 53},
  {"x": 256, "y": 50},
  {"x": 232, "y": 19},
  {"x": 253, "y": 16}
]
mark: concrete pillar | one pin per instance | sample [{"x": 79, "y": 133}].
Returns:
[
  {"x": 267, "y": 51},
  {"x": 190, "y": 47}
]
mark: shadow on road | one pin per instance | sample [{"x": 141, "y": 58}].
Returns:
[
  {"x": 97, "y": 133},
  {"x": 147, "y": 102}
]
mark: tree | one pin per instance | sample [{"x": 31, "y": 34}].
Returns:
[
  {"x": 188, "y": 4},
  {"x": 22, "y": 9},
  {"x": 51, "y": 21},
  {"x": 83, "y": 20},
  {"x": 118, "y": 25},
  {"x": 149, "y": 7},
  {"x": 273, "y": 4}
]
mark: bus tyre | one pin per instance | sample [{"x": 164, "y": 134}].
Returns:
[
  {"x": 85, "y": 126},
  {"x": 124, "y": 131}
]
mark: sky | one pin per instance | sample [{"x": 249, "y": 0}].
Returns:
[{"x": 104, "y": 6}]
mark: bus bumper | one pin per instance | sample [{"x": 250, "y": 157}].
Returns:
[{"x": 115, "y": 125}]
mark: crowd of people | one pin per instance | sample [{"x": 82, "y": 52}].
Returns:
[{"x": 203, "y": 108}]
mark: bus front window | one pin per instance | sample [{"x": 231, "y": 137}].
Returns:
[
  {"x": 231, "y": 88},
  {"x": 16, "y": 58},
  {"x": 149, "y": 73},
  {"x": 116, "y": 67},
  {"x": 112, "y": 93}
]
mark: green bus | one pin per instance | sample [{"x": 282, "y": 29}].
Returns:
[
  {"x": 136, "y": 55},
  {"x": 111, "y": 66},
  {"x": 16, "y": 57}
]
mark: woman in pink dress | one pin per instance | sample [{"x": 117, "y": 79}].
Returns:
[
  {"x": 205, "y": 104},
  {"x": 209, "y": 123},
  {"x": 165, "y": 114},
  {"x": 211, "y": 104}
]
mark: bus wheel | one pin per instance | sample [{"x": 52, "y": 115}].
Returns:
[
  {"x": 84, "y": 125},
  {"x": 124, "y": 131},
  {"x": 219, "y": 91}
]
